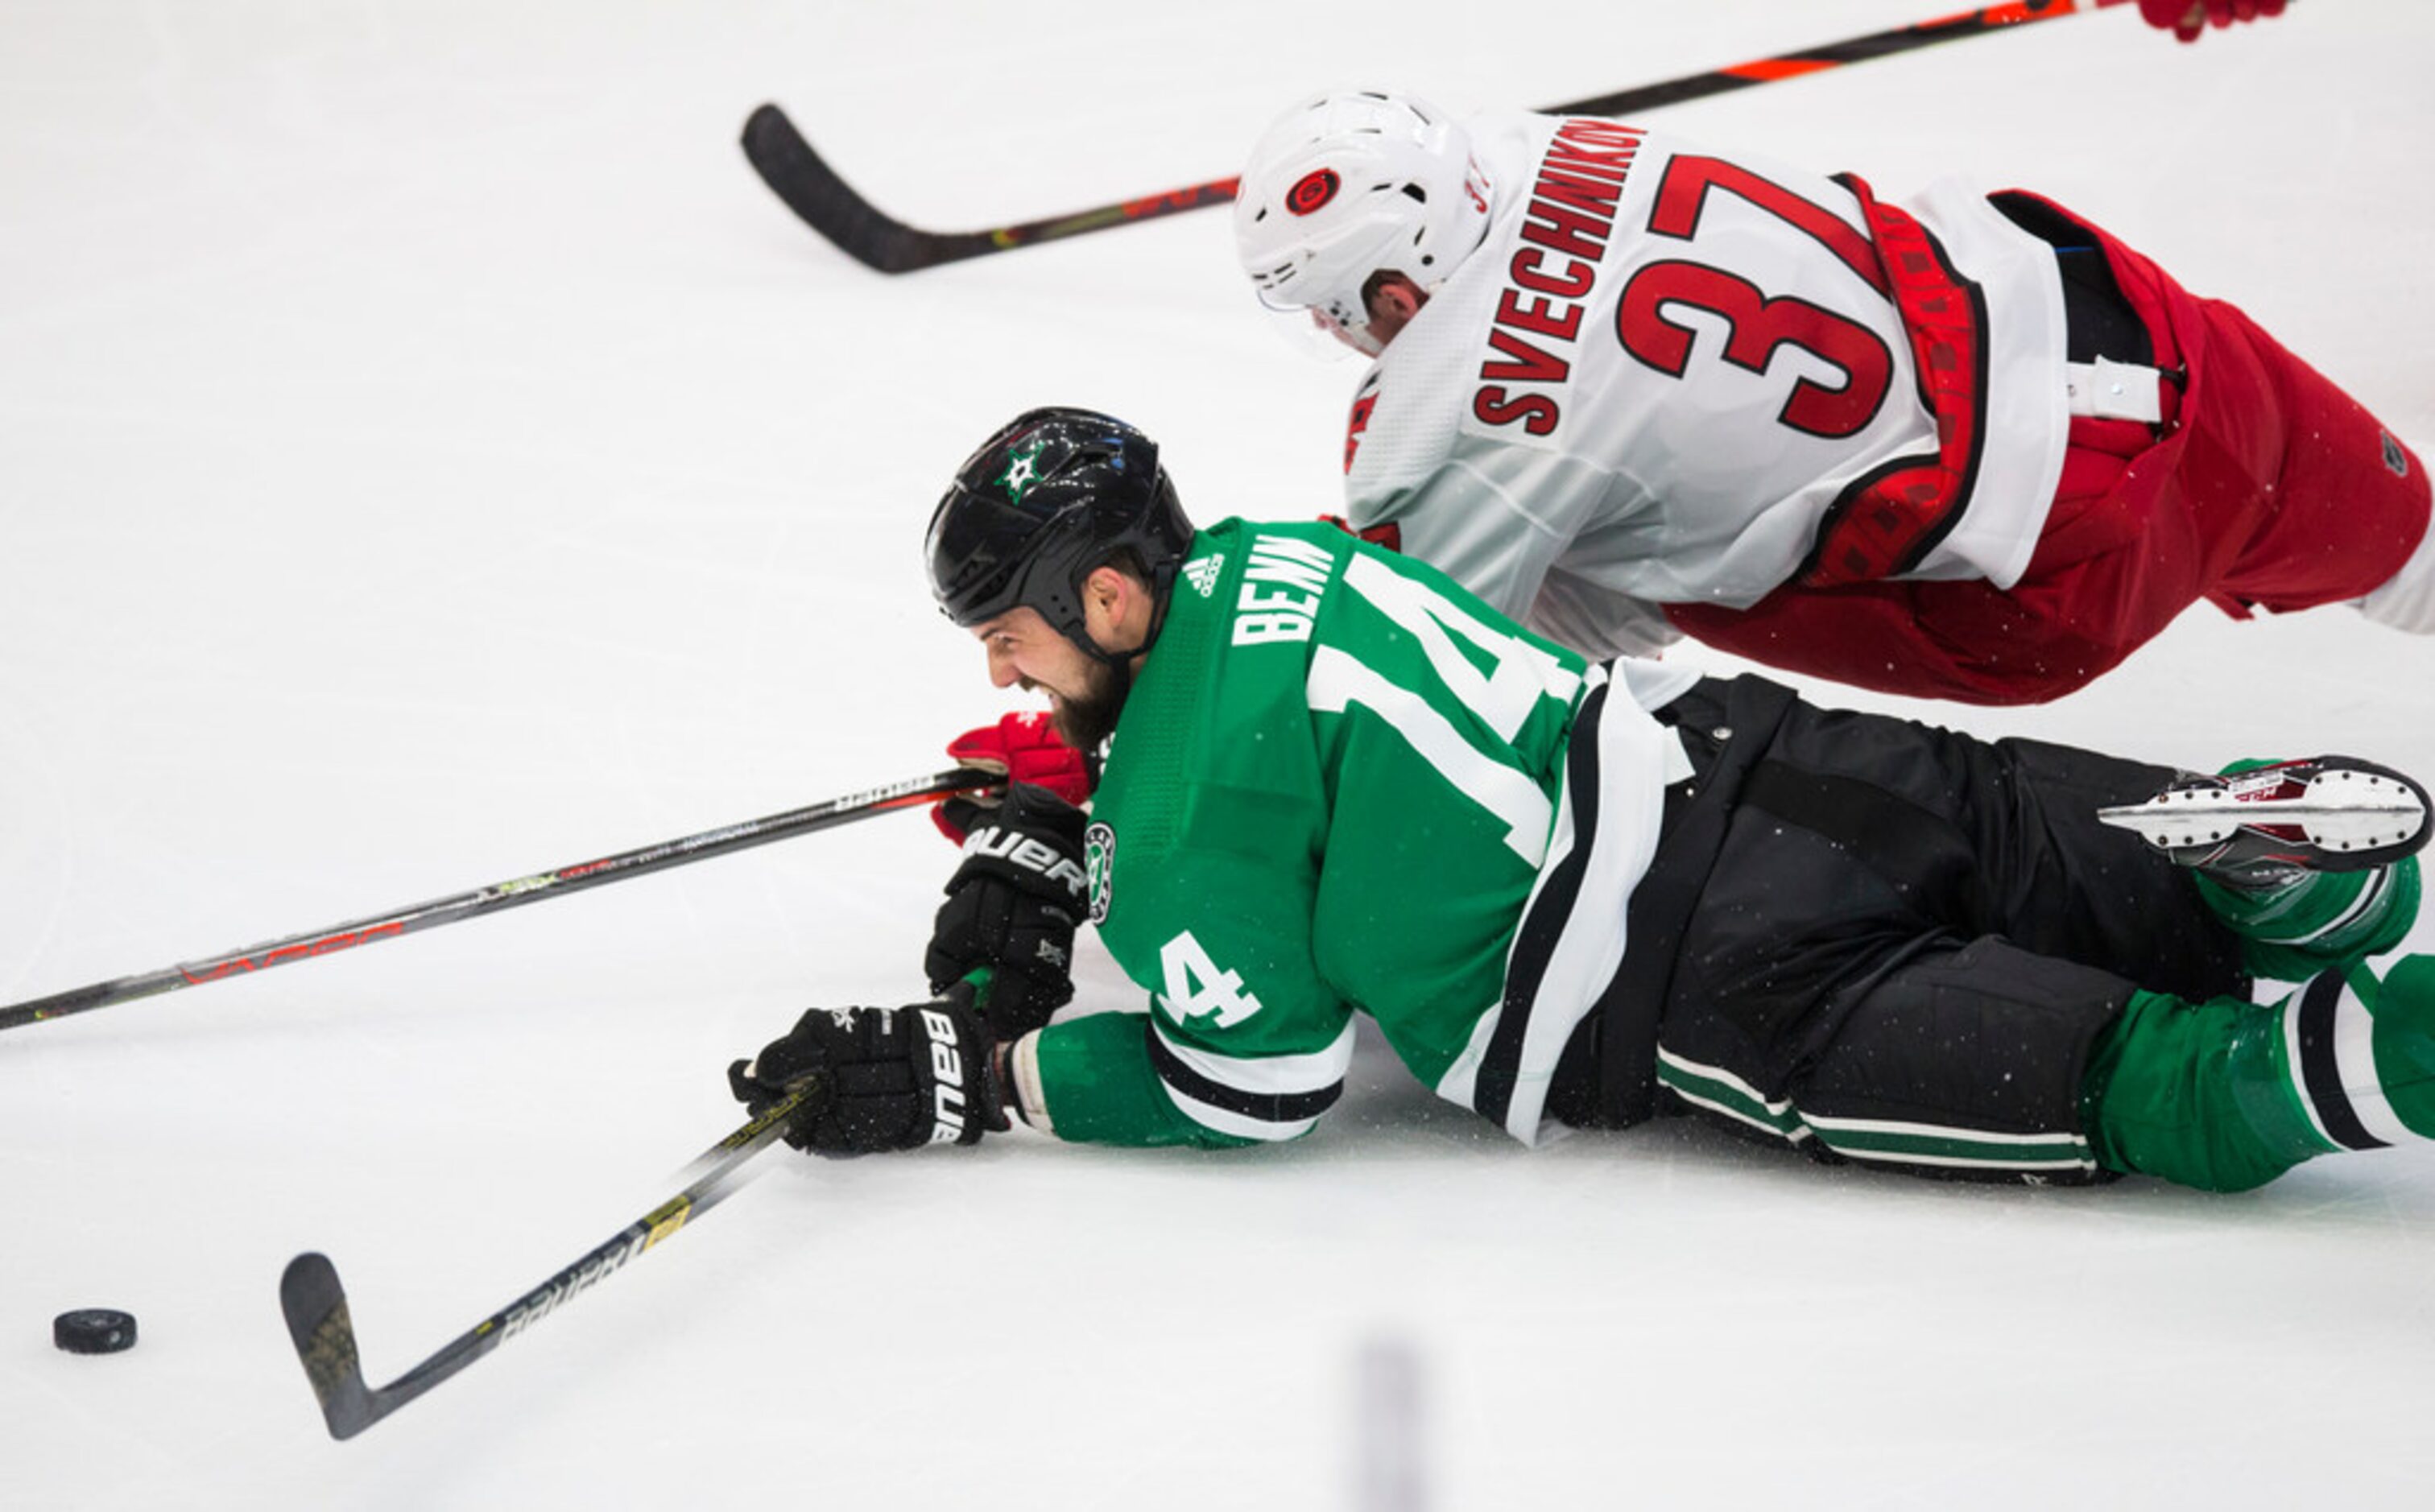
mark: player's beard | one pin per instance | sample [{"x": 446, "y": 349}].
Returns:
[{"x": 1086, "y": 718}]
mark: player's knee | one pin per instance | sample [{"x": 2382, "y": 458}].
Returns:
[{"x": 2195, "y": 1094}]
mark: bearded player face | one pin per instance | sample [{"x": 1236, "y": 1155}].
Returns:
[
  {"x": 1087, "y": 716},
  {"x": 1085, "y": 696}
]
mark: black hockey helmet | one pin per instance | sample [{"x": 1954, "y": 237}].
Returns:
[{"x": 1055, "y": 494}]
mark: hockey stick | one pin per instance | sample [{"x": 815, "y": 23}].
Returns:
[
  {"x": 502, "y": 895},
  {"x": 829, "y": 205},
  {"x": 315, "y": 1304}
]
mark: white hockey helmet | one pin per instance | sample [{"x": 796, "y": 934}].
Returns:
[{"x": 1347, "y": 185}]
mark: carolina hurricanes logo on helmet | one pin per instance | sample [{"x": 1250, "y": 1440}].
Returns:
[{"x": 1312, "y": 190}]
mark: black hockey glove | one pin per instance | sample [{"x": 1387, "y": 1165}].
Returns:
[
  {"x": 898, "y": 1077},
  {"x": 1012, "y": 906}
]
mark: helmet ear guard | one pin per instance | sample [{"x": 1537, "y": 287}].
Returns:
[
  {"x": 1348, "y": 185},
  {"x": 1053, "y": 495}
]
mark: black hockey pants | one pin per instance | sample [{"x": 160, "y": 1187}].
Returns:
[{"x": 1879, "y": 941}]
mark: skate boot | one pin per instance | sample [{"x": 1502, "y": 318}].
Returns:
[{"x": 2265, "y": 827}]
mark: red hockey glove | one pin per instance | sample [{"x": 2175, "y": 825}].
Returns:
[
  {"x": 1027, "y": 748},
  {"x": 2186, "y": 18}
]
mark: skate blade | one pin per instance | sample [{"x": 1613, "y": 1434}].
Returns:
[{"x": 2338, "y": 812}]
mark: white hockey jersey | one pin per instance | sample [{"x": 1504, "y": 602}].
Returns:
[{"x": 1667, "y": 374}]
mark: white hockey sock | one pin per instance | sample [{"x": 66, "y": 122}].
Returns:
[
  {"x": 2358, "y": 1055},
  {"x": 2406, "y": 600}
]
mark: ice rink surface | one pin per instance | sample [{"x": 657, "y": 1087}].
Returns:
[{"x": 428, "y": 455}]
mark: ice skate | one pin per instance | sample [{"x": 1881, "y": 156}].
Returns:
[{"x": 2276, "y": 823}]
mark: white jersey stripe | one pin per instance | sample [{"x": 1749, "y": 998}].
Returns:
[
  {"x": 1240, "y": 1126},
  {"x": 2367, "y": 897},
  {"x": 1265, "y": 1076},
  {"x": 1337, "y": 681},
  {"x": 1933, "y": 1131},
  {"x": 2354, "y": 1058},
  {"x": 1459, "y": 1085},
  {"x": 1631, "y": 746},
  {"x": 2000, "y": 1163}
]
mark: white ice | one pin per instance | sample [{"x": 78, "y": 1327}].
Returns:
[{"x": 428, "y": 455}]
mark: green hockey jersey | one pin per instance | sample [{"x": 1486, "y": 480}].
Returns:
[{"x": 1340, "y": 786}]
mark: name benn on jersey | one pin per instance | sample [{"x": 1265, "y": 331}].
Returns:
[
  {"x": 1282, "y": 583},
  {"x": 1570, "y": 215}
]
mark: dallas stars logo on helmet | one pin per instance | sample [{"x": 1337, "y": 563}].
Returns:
[{"x": 1021, "y": 471}]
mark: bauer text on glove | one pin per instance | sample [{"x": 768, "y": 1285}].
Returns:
[
  {"x": 898, "y": 1077},
  {"x": 1012, "y": 906}
]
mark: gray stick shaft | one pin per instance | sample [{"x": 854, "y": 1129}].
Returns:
[
  {"x": 315, "y": 1303},
  {"x": 499, "y": 896}
]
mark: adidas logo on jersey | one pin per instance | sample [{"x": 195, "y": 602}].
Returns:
[{"x": 1202, "y": 573}]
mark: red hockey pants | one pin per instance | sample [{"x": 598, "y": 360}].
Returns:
[{"x": 2267, "y": 486}]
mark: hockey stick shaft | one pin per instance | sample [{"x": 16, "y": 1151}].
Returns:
[
  {"x": 1832, "y": 55},
  {"x": 829, "y": 205},
  {"x": 503, "y": 895},
  {"x": 315, "y": 1304}
]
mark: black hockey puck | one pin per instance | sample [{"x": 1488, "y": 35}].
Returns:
[{"x": 94, "y": 1331}]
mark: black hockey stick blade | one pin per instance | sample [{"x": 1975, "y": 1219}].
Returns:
[
  {"x": 315, "y": 1307},
  {"x": 870, "y": 235},
  {"x": 314, "y": 1302},
  {"x": 814, "y": 192}
]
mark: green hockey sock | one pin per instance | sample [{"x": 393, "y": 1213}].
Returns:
[
  {"x": 2228, "y": 1095},
  {"x": 2322, "y": 918},
  {"x": 2401, "y": 1047}
]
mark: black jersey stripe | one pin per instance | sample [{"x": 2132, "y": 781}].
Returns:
[
  {"x": 1268, "y": 1108},
  {"x": 2321, "y": 1076},
  {"x": 1543, "y": 925}
]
